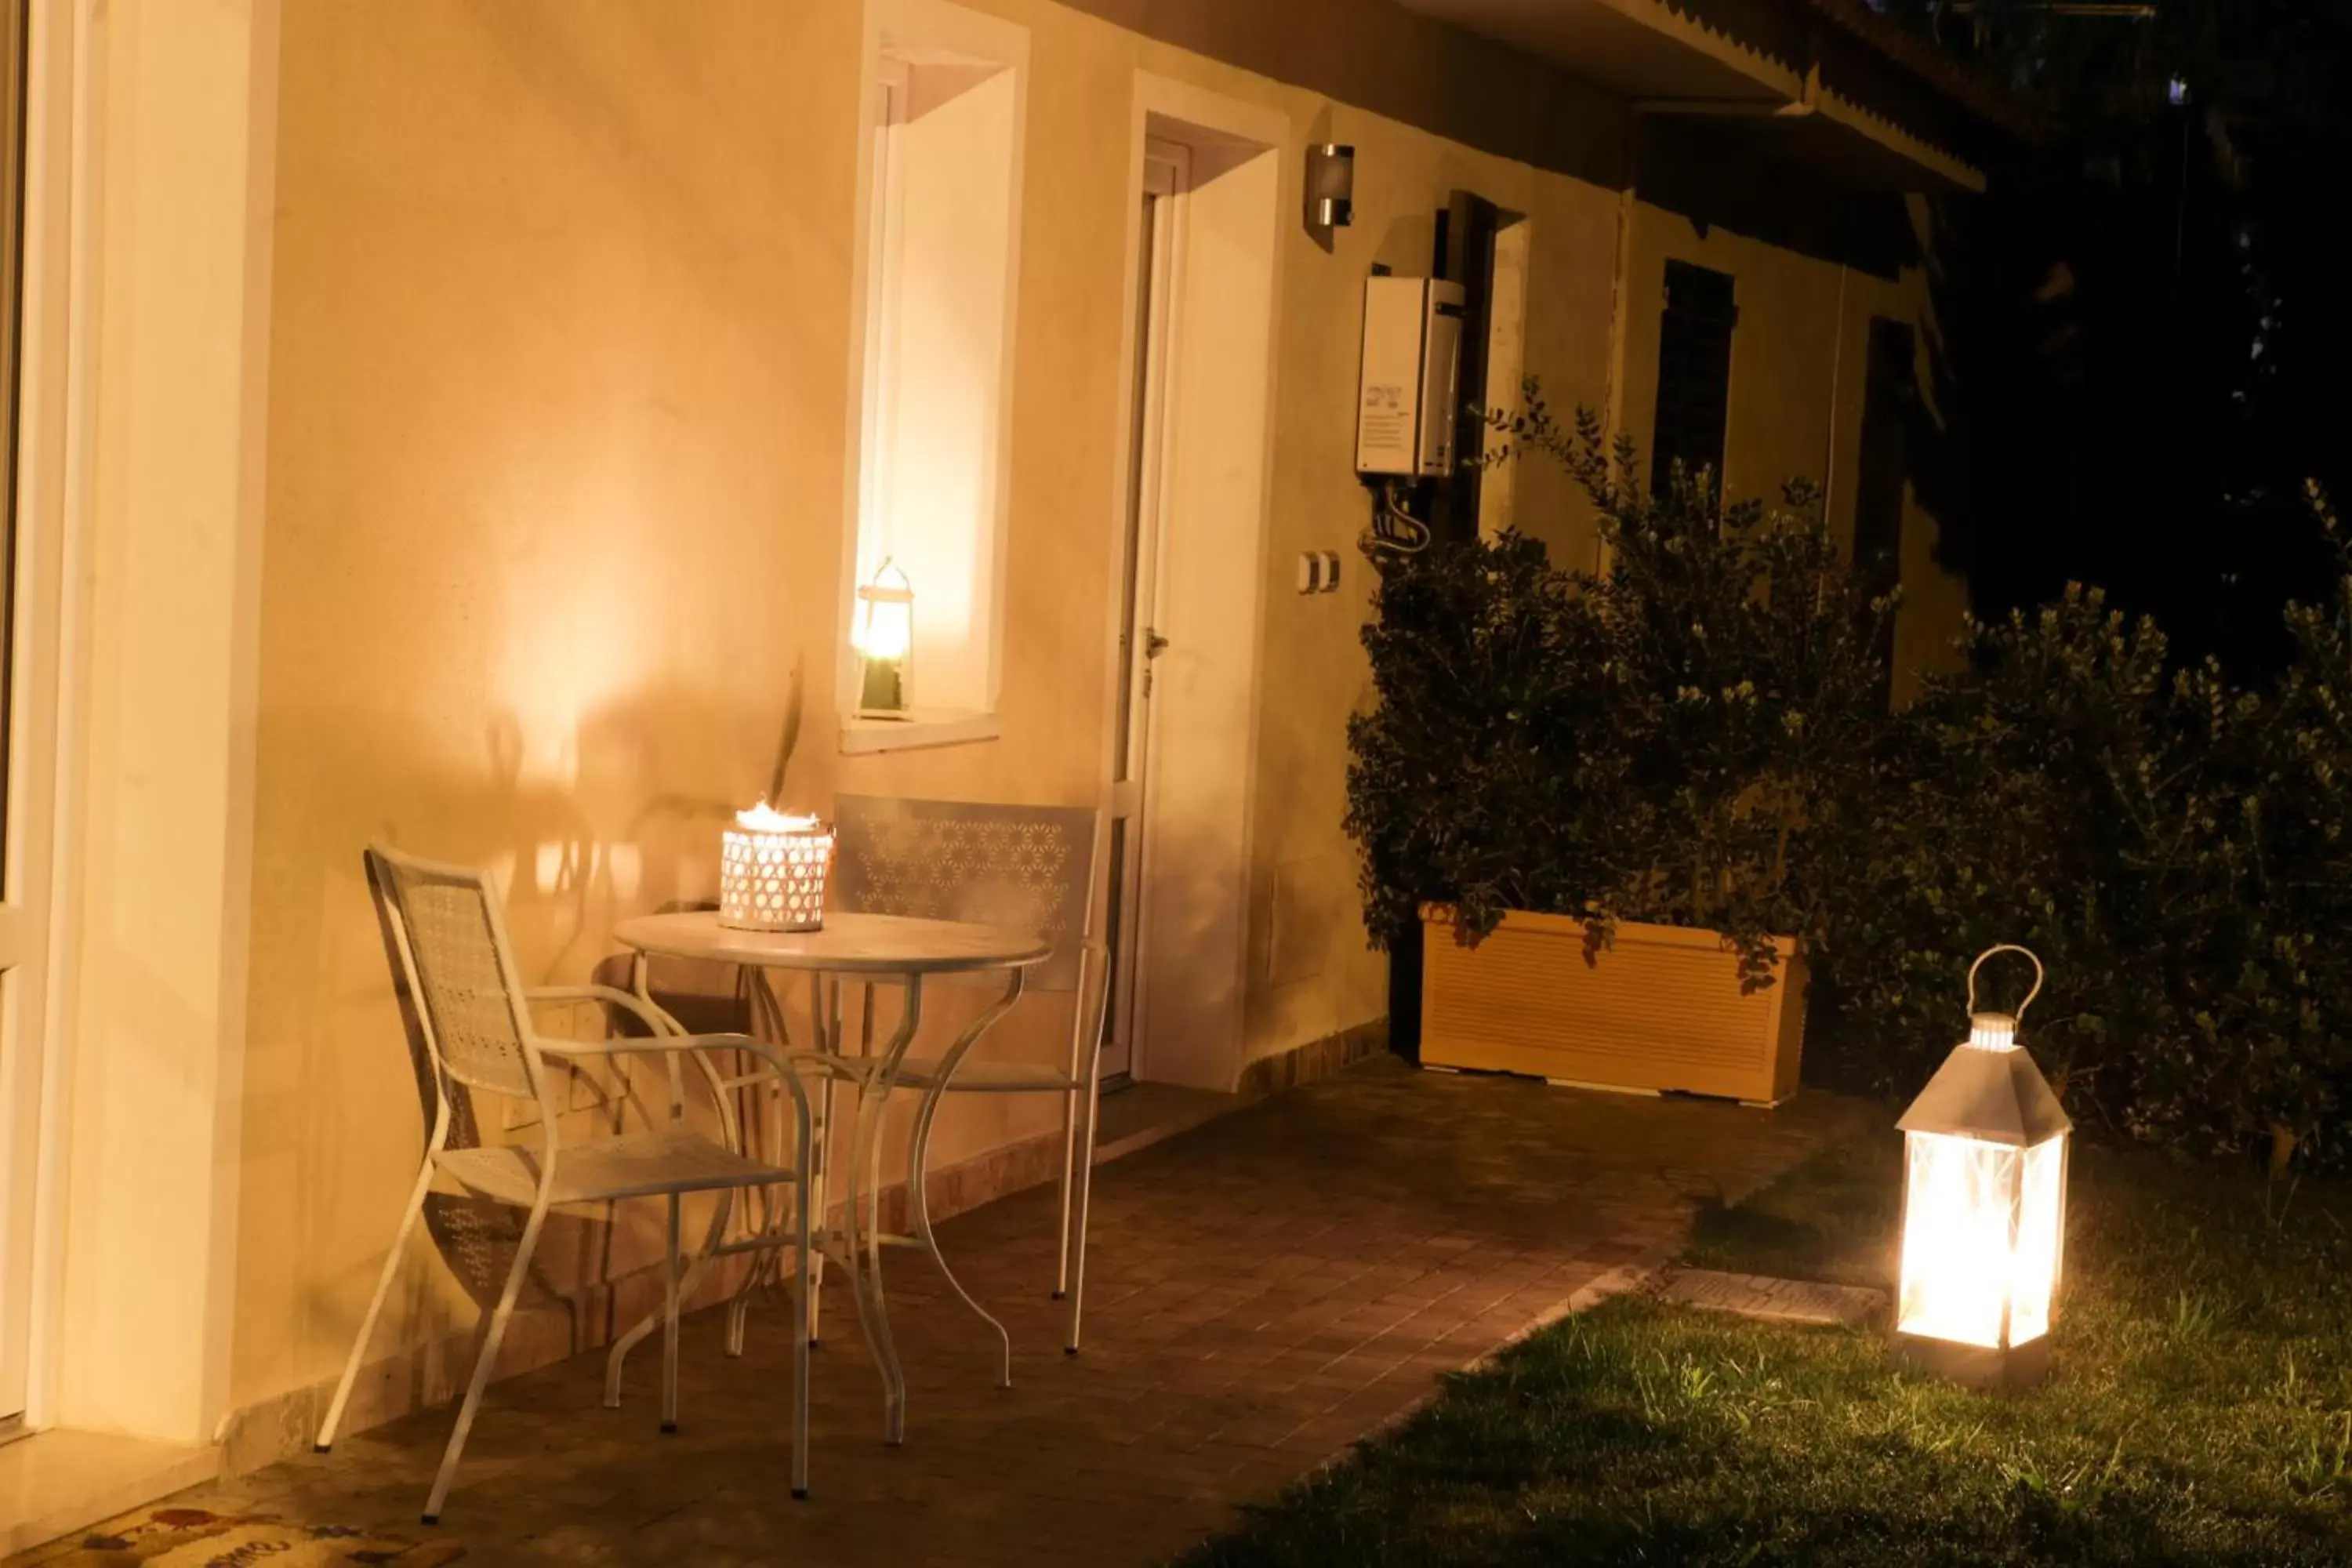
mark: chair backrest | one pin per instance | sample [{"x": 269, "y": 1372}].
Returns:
[
  {"x": 465, "y": 1131},
  {"x": 454, "y": 945},
  {"x": 1028, "y": 867},
  {"x": 477, "y": 1238}
]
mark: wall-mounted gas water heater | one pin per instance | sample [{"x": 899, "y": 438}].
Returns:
[{"x": 1408, "y": 394}]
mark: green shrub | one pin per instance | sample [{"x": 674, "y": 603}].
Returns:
[
  {"x": 2172, "y": 847},
  {"x": 1661, "y": 744},
  {"x": 1700, "y": 737}
]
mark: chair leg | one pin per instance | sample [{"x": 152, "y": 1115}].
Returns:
[
  {"x": 482, "y": 1363},
  {"x": 637, "y": 1332},
  {"x": 1078, "y": 1255},
  {"x": 375, "y": 1309},
  {"x": 669, "y": 1325},
  {"x": 803, "y": 1329},
  {"x": 919, "y": 1206},
  {"x": 813, "y": 1280},
  {"x": 869, "y": 1283},
  {"x": 739, "y": 1313},
  {"x": 1069, "y": 1169},
  {"x": 862, "y": 1257}
]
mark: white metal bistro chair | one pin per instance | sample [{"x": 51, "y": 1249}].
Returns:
[
  {"x": 459, "y": 968},
  {"x": 1029, "y": 867}
]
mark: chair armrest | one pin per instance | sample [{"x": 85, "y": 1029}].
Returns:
[
  {"x": 644, "y": 1012},
  {"x": 635, "y": 1044},
  {"x": 668, "y": 1037}
]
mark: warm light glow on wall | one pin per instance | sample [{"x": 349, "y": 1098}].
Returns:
[{"x": 566, "y": 624}]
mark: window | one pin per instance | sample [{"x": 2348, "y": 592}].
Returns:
[
  {"x": 922, "y": 601},
  {"x": 1693, "y": 373}
]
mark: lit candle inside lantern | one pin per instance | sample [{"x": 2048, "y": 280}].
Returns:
[
  {"x": 772, "y": 871},
  {"x": 1984, "y": 1197},
  {"x": 884, "y": 636}
]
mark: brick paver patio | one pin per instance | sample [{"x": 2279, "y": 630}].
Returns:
[{"x": 1263, "y": 1290}]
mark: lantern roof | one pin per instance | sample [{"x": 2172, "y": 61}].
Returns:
[{"x": 1998, "y": 1096}]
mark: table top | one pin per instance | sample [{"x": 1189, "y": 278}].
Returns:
[{"x": 848, "y": 945}]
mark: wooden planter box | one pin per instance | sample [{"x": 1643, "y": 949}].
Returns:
[{"x": 1659, "y": 1009}]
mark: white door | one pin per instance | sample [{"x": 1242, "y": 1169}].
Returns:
[
  {"x": 27, "y": 720},
  {"x": 1166, "y": 170}
]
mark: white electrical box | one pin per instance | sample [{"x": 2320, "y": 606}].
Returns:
[{"x": 1407, "y": 396}]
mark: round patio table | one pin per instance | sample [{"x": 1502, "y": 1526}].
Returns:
[{"x": 891, "y": 949}]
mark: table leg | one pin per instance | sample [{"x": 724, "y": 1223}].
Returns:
[
  {"x": 768, "y": 1263},
  {"x": 821, "y": 1162},
  {"x": 862, "y": 1213},
  {"x": 619, "y": 1354},
  {"x": 919, "y": 1153}
]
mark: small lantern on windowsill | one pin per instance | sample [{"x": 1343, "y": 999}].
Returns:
[
  {"x": 885, "y": 640},
  {"x": 772, "y": 871},
  {"x": 1984, "y": 1206}
]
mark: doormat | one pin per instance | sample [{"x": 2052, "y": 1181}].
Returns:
[{"x": 193, "y": 1538}]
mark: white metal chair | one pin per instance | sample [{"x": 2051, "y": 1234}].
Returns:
[
  {"x": 1030, "y": 867},
  {"x": 459, "y": 968}
]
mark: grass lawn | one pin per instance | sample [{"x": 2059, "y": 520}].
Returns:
[{"x": 2201, "y": 1411}]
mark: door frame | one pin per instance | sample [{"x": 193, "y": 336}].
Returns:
[
  {"x": 1212, "y": 553},
  {"x": 54, "y": 410},
  {"x": 1157, "y": 289}
]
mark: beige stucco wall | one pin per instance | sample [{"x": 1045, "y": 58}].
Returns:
[
  {"x": 1800, "y": 353},
  {"x": 561, "y": 317}
]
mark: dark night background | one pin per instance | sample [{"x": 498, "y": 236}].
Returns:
[{"x": 2144, "y": 325}]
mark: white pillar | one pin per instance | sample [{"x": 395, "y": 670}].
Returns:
[{"x": 182, "y": 102}]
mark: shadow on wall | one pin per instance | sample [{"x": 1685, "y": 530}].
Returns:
[
  {"x": 603, "y": 830},
  {"x": 1408, "y": 245},
  {"x": 1714, "y": 174}
]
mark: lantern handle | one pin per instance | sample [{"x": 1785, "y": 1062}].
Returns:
[{"x": 2006, "y": 947}]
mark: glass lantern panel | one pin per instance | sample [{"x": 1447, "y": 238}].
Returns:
[
  {"x": 1959, "y": 1208},
  {"x": 886, "y": 629},
  {"x": 2041, "y": 1204}
]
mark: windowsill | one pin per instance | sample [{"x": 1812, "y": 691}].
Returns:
[{"x": 925, "y": 727}]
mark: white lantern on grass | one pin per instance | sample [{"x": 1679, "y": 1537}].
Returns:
[{"x": 1984, "y": 1205}]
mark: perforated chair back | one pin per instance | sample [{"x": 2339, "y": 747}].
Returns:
[
  {"x": 1027, "y": 867},
  {"x": 467, "y": 989},
  {"x": 477, "y": 1238}
]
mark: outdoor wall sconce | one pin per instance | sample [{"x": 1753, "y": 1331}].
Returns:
[
  {"x": 1331, "y": 185},
  {"x": 885, "y": 641},
  {"x": 1984, "y": 1206},
  {"x": 772, "y": 871}
]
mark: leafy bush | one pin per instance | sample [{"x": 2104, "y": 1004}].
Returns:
[
  {"x": 1700, "y": 736},
  {"x": 1658, "y": 744},
  {"x": 2174, "y": 849}
]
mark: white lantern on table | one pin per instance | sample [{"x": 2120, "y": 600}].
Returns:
[
  {"x": 1984, "y": 1206},
  {"x": 771, "y": 871}
]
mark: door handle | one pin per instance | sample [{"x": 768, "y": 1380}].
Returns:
[{"x": 1154, "y": 645}]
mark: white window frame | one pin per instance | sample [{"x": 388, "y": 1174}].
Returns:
[{"x": 902, "y": 37}]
